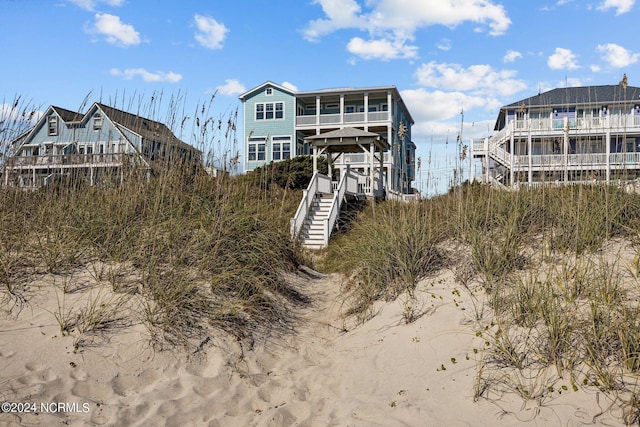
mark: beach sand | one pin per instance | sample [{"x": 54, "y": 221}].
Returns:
[{"x": 327, "y": 371}]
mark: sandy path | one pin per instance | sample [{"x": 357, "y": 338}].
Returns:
[{"x": 382, "y": 373}]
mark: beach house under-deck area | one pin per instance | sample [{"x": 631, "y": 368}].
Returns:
[
  {"x": 564, "y": 136},
  {"x": 364, "y": 133},
  {"x": 99, "y": 145}
]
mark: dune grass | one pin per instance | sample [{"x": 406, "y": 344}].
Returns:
[{"x": 565, "y": 311}]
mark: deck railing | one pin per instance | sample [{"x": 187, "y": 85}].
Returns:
[
  {"x": 577, "y": 160},
  {"x": 65, "y": 159},
  {"x": 335, "y": 118},
  {"x": 362, "y": 158},
  {"x": 320, "y": 183},
  {"x": 347, "y": 182}
]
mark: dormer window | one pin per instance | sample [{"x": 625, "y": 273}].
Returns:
[
  {"x": 97, "y": 123},
  {"x": 52, "y": 125}
]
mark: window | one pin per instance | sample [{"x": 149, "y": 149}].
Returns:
[
  {"x": 256, "y": 149},
  {"x": 97, "y": 123},
  {"x": 373, "y": 108},
  {"x": 52, "y": 125},
  {"x": 269, "y": 91},
  {"x": 331, "y": 106},
  {"x": 384, "y": 107},
  {"x": 281, "y": 148},
  {"x": 270, "y": 110},
  {"x": 350, "y": 109}
]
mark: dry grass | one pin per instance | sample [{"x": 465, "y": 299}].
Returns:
[{"x": 565, "y": 311}]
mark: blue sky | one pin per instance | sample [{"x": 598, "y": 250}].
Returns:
[{"x": 445, "y": 56}]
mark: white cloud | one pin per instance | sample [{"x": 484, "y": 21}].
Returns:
[
  {"x": 381, "y": 49},
  {"x": 290, "y": 86},
  {"x": 391, "y": 23},
  {"x": 563, "y": 59},
  {"x": 91, "y": 4},
  {"x": 445, "y": 44},
  {"x": 231, "y": 87},
  {"x": 595, "y": 68},
  {"x": 437, "y": 114},
  {"x": 211, "y": 33},
  {"x": 617, "y": 56},
  {"x": 477, "y": 79},
  {"x": 159, "y": 76},
  {"x": 114, "y": 30},
  {"x": 621, "y": 6},
  {"x": 511, "y": 56},
  {"x": 341, "y": 14}
]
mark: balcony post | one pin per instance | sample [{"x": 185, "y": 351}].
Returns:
[
  {"x": 371, "y": 174},
  {"x": 511, "y": 155},
  {"x": 565, "y": 147},
  {"x": 530, "y": 159},
  {"x": 317, "y": 110},
  {"x": 342, "y": 108},
  {"x": 366, "y": 109},
  {"x": 608, "y": 153}
]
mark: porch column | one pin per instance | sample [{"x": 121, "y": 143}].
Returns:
[
  {"x": 607, "y": 141},
  {"x": 512, "y": 157},
  {"x": 341, "y": 108},
  {"x": 317, "y": 110},
  {"x": 366, "y": 110},
  {"x": 315, "y": 159},
  {"x": 530, "y": 149},
  {"x": 566, "y": 150},
  {"x": 371, "y": 174},
  {"x": 380, "y": 172},
  {"x": 389, "y": 102},
  {"x": 329, "y": 164}
]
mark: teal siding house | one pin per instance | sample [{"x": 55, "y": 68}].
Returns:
[
  {"x": 278, "y": 122},
  {"x": 100, "y": 144}
]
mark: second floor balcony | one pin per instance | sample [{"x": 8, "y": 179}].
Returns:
[
  {"x": 337, "y": 118},
  {"x": 66, "y": 160}
]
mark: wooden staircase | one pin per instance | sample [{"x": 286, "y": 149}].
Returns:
[{"x": 312, "y": 232}]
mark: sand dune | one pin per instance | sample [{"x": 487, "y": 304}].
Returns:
[{"x": 327, "y": 372}]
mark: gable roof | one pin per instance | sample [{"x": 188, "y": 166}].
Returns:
[
  {"x": 146, "y": 128},
  {"x": 67, "y": 115},
  {"x": 581, "y": 95},
  {"x": 265, "y": 84}
]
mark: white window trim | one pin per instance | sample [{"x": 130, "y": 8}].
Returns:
[
  {"x": 268, "y": 91},
  {"x": 281, "y": 139},
  {"x": 52, "y": 120},
  {"x": 257, "y": 141},
  {"x": 273, "y": 110},
  {"x": 97, "y": 123}
]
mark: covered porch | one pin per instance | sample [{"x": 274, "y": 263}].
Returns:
[{"x": 336, "y": 143}]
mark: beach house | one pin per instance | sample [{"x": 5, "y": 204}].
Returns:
[
  {"x": 101, "y": 144},
  {"x": 364, "y": 133},
  {"x": 564, "y": 136},
  {"x": 279, "y": 122}
]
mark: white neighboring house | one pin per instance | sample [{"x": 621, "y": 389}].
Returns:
[
  {"x": 564, "y": 136},
  {"x": 100, "y": 144}
]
